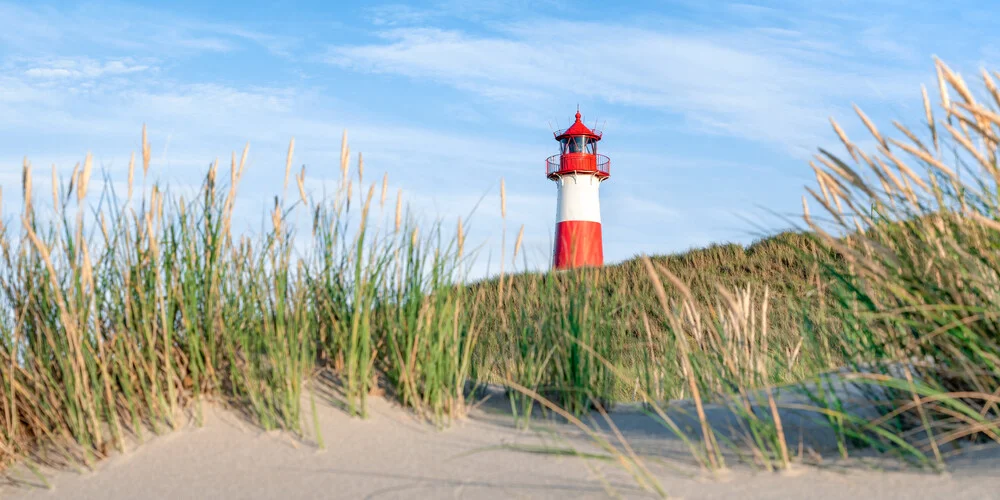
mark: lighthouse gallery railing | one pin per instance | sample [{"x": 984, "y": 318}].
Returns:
[{"x": 558, "y": 164}]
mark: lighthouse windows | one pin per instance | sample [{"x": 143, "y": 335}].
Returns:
[{"x": 578, "y": 144}]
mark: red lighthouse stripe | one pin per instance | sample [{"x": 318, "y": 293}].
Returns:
[{"x": 578, "y": 243}]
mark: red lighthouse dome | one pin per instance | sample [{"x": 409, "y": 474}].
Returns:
[
  {"x": 578, "y": 152},
  {"x": 578, "y": 171}
]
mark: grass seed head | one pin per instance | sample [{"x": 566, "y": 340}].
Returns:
[
  {"x": 930, "y": 118},
  {"x": 302, "y": 188},
  {"x": 145, "y": 152},
  {"x": 956, "y": 81},
  {"x": 843, "y": 138},
  {"x": 26, "y": 184},
  {"x": 871, "y": 126},
  {"x": 943, "y": 88},
  {"x": 288, "y": 161},
  {"x": 276, "y": 217},
  {"x": 104, "y": 227},
  {"x": 243, "y": 160},
  {"x": 88, "y": 164},
  {"x": 385, "y": 187},
  {"x": 503, "y": 199},
  {"x": 367, "y": 206},
  {"x": 212, "y": 171},
  {"x": 361, "y": 169},
  {"x": 399, "y": 209},
  {"x": 74, "y": 179},
  {"x": 520, "y": 239},
  {"x": 131, "y": 174},
  {"x": 344, "y": 155}
]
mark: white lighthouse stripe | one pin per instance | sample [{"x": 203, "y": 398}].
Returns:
[{"x": 579, "y": 198}]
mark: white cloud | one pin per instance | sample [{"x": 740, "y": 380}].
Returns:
[
  {"x": 746, "y": 85},
  {"x": 84, "y": 68},
  {"x": 51, "y": 73},
  {"x": 43, "y": 30},
  {"x": 398, "y": 14}
]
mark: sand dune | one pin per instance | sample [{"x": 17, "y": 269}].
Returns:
[{"x": 392, "y": 455}]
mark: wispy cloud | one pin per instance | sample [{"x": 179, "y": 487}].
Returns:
[
  {"x": 84, "y": 68},
  {"x": 44, "y": 30},
  {"x": 396, "y": 14},
  {"x": 748, "y": 85}
]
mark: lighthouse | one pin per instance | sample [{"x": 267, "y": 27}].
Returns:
[{"x": 578, "y": 172}]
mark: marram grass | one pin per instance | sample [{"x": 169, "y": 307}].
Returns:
[{"x": 119, "y": 315}]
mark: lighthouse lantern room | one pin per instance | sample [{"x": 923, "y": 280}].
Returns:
[{"x": 578, "y": 171}]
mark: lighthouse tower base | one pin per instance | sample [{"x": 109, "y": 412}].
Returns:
[{"x": 578, "y": 241}]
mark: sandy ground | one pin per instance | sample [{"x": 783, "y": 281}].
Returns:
[{"x": 392, "y": 455}]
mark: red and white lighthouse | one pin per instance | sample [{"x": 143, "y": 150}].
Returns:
[{"x": 578, "y": 172}]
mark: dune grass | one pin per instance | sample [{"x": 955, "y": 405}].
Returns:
[
  {"x": 119, "y": 314},
  {"x": 918, "y": 295}
]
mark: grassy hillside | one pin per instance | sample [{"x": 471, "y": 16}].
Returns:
[
  {"x": 613, "y": 300},
  {"x": 786, "y": 263}
]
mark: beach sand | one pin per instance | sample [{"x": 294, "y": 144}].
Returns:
[{"x": 394, "y": 455}]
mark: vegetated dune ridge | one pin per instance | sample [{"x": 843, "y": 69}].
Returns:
[{"x": 392, "y": 455}]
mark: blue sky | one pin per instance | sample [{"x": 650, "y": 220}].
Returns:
[{"x": 712, "y": 109}]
